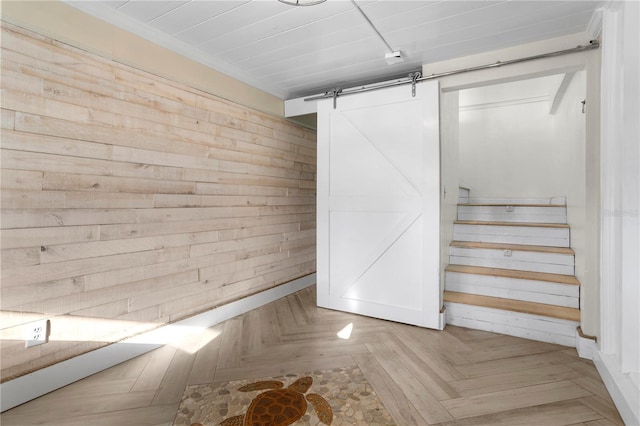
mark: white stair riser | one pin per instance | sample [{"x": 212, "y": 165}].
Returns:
[
  {"x": 552, "y": 263},
  {"x": 503, "y": 263},
  {"x": 553, "y": 201},
  {"x": 506, "y": 283},
  {"x": 527, "y": 235},
  {"x": 516, "y": 294},
  {"x": 519, "y": 214},
  {"x": 517, "y": 324}
]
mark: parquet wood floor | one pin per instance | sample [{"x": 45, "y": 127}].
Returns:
[{"x": 424, "y": 377}]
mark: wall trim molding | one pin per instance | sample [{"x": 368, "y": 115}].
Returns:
[
  {"x": 610, "y": 169},
  {"x": 617, "y": 357},
  {"x": 586, "y": 346},
  {"x": 33, "y": 385},
  {"x": 623, "y": 390}
]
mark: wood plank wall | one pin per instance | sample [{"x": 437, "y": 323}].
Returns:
[{"x": 130, "y": 201}]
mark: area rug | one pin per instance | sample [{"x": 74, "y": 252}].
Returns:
[{"x": 351, "y": 400}]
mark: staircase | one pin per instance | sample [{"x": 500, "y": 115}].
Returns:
[{"x": 511, "y": 270}]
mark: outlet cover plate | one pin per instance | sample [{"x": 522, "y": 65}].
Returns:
[{"x": 36, "y": 333}]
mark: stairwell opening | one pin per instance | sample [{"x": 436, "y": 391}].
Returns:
[{"x": 518, "y": 143}]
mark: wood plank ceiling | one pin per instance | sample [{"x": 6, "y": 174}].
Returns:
[{"x": 297, "y": 51}]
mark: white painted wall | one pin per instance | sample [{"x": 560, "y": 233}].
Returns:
[
  {"x": 511, "y": 147},
  {"x": 618, "y": 358},
  {"x": 448, "y": 175},
  {"x": 630, "y": 172}
]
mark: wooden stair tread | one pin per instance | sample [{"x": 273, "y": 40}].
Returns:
[
  {"x": 560, "y": 312},
  {"x": 522, "y": 224},
  {"x": 512, "y": 204},
  {"x": 512, "y": 273},
  {"x": 513, "y": 247}
]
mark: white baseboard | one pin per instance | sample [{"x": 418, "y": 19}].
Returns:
[
  {"x": 623, "y": 389},
  {"x": 33, "y": 385},
  {"x": 586, "y": 346},
  {"x": 442, "y": 320}
]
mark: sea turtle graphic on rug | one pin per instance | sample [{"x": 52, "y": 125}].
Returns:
[{"x": 280, "y": 407}]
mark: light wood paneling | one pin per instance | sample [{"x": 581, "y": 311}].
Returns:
[{"x": 129, "y": 200}]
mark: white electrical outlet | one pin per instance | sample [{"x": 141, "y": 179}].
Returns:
[{"x": 36, "y": 333}]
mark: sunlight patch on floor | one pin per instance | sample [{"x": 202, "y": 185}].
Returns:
[{"x": 345, "y": 333}]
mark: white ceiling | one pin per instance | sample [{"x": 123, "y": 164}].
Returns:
[{"x": 297, "y": 51}]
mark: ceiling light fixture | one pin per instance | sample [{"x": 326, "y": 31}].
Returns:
[
  {"x": 302, "y": 2},
  {"x": 393, "y": 57}
]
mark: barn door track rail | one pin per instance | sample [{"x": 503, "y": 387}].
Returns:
[{"x": 416, "y": 77}]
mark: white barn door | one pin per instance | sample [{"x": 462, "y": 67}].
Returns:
[{"x": 379, "y": 205}]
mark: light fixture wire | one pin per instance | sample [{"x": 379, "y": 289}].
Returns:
[{"x": 371, "y": 25}]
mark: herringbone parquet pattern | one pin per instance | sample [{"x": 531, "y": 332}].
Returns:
[{"x": 424, "y": 377}]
